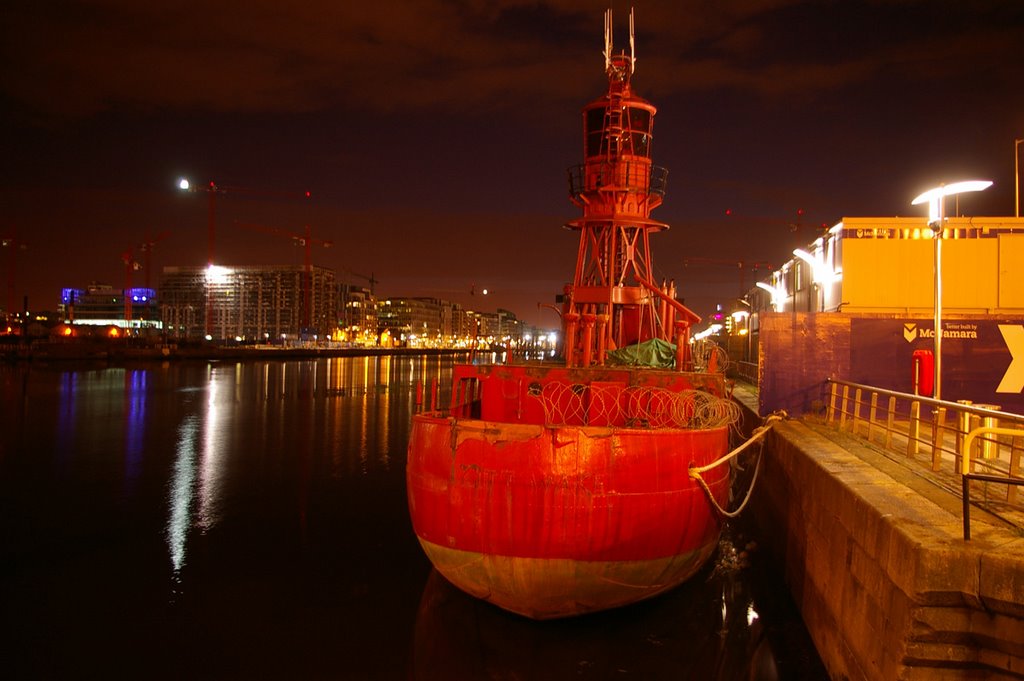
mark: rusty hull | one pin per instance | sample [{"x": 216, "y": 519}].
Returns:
[{"x": 558, "y": 521}]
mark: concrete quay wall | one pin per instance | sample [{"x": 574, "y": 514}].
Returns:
[{"x": 886, "y": 585}]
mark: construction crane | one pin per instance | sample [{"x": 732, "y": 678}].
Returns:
[
  {"x": 796, "y": 226},
  {"x": 13, "y": 244},
  {"x": 130, "y": 265},
  {"x": 212, "y": 190},
  {"x": 372, "y": 281},
  {"x": 147, "y": 248},
  {"x": 304, "y": 239},
  {"x": 793, "y": 226},
  {"x": 741, "y": 265}
]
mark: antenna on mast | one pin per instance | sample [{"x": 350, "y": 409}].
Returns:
[
  {"x": 618, "y": 66},
  {"x": 607, "y": 38},
  {"x": 632, "y": 42}
]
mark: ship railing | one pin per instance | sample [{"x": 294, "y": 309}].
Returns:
[
  {"x": 426, "y": 396},
  {"x": 464, "y": 401},
  {"x": 639, "y": 176},
  {"x": 977, "y": 442}
]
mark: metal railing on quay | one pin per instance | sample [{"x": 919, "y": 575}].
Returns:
[
  {"x": 975, "y": 441},
  {"x": 747, "y": 371}
]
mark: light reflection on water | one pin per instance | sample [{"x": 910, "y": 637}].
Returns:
[
  {"x": 225, "y": 520},
  {"x": 216, "y": 443},
  {"x": 180, "y": 501},
  {"x": 196, "y": 491},
  {"x": 134, "y": 425}
]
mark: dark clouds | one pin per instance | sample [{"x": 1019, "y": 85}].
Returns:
[
  {"x": 446, "y": 126},
  {"x": 267, "y": 57},
  {"x": 264, "y": 56}
]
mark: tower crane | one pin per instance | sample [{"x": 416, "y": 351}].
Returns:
[
  {"x": 13, "y": 244},
  {"x": 147, "y": 248},
  {"x": 370, "y": 279},
  {"x": 796, "y": 226},
  {"x": 304, "y": 239},
  {"x": 130, "y": 265},
  {"x": 212, "y": 190},
  {"x": 742, "y": 265}
]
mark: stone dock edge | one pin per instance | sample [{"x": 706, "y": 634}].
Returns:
[{"x": 886, "y": 584}]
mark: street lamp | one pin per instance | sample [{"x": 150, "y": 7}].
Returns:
[
  {"x": 1016, "y": 178},
  {"x": 936, "y": 199},
  {"x": 778, "y": 295}
]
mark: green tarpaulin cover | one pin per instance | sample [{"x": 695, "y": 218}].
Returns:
[{"x": 651, "y": 353}]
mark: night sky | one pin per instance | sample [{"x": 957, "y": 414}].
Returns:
[{"x": 434, "y": 136}]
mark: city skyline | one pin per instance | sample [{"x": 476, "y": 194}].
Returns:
[{"x": 434, "y": 137}]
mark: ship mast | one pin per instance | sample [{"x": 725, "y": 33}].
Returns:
[{"x": 614, "y": 301}]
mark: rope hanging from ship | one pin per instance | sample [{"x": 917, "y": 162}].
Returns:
[{"x": 758, "y": 434}]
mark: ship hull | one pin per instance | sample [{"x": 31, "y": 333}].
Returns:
[{"x": 559, "y": 521}]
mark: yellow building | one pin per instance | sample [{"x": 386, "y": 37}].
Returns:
[
  {"x": 885, "y": 265},
  {"x": 857, "y": 302}
]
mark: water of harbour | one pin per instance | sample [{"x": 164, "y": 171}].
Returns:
[{"x": 197, "y": 520}]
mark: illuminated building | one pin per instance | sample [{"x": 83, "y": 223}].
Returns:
[
  {"x": 358, "y": 315},
  {"x": 441, "y": 323},
  {"x": 882, "y": 265},
  {"x": 252, "y": 303},
  {"x": 103, "y": 305},
  {"x": 857, "y": 302},
  {"x": 410, "y": 320},
  {"x": 461, "y": 326}
]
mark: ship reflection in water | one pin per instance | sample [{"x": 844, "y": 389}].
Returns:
[
  {"x": 709, "y": 628},
  {"x": 248, "y": 520}
]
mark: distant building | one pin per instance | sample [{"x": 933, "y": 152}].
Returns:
[
  {"x": 255, "y": 303},
  {"x": 358, "y": 315},
  {"x": 484, "y": 325},
  {"x": 461, "y": 324},
  {"x": 103, "y": 305},
  {"x": 509, "y": 326},
  {"x": 407, "y": 320},
  {"x": 441, "y": 323},
  {"x": 500, "y": 326},
  {"x": 857, "y": 302}
]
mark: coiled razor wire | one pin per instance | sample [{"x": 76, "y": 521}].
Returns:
[
  {"x": 702, "y": 351},
  {"x": 633, "y": 407}
]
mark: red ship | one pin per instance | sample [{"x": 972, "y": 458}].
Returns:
[{"x": 557, "y": 490}]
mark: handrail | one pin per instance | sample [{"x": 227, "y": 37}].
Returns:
[
  {"x": 899, "y": 425},
  {"x": 746, "y": 370},
  {"x": 965, "y": 460},
  {"x": 979, "y": 411},
  {"x": 636, "y": 175},
  {"x": 967, "y": 475}
]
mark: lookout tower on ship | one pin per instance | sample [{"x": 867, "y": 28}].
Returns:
[{"x": 614, "y": 301}]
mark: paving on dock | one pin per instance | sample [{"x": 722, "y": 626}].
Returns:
[{"x": 942, "y": 486}]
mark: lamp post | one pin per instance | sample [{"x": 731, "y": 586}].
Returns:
[
  {"x": 1016, "y": 177},
  {"x": 936, "y": 199}
]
